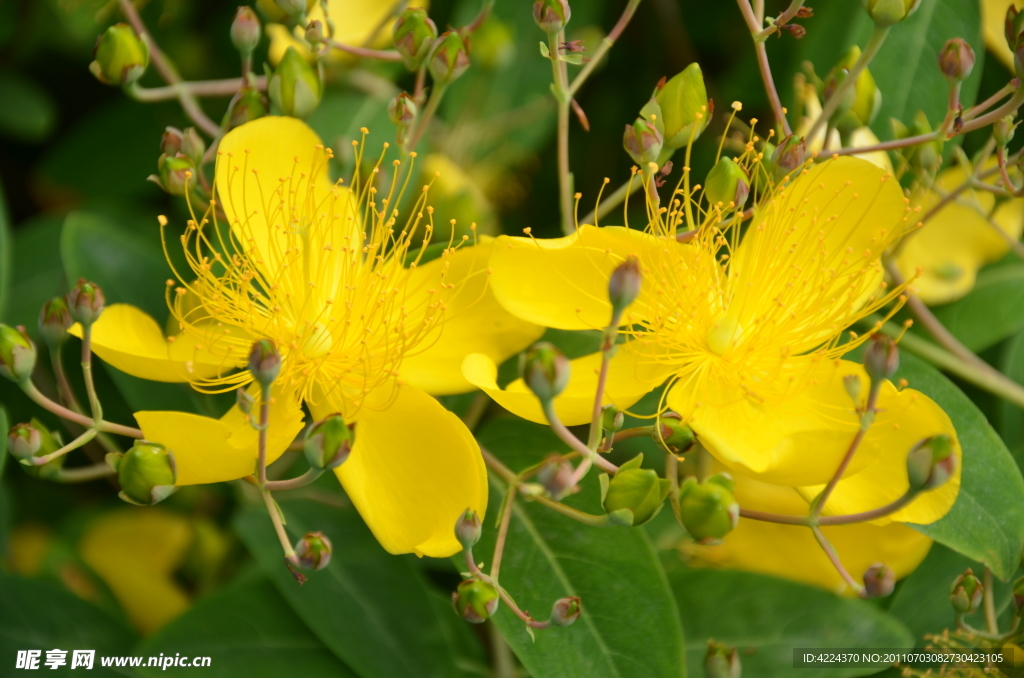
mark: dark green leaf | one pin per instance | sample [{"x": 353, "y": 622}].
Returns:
[
  {"x": 36, "y": 271},
  {"x": 991, "y": 312},
  {"x": 766, "y": 618},
  {"x": 372, "y": 609},
  {"x": 5, "y": 254},
  {"x": 28, "y": 113},
  {"x": 3, "y": 453},
  {"x": 1012, "y": 424},
  {"x": 248, "y": 631},
  {"x": 987, "y": 521},
  {"x": 629, "y": 626}
]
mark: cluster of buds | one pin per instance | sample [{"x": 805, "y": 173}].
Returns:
[
  {"x": 708, "y": 510},
  {"x": 146, "y": 473},
  {"x": 120, "y": 57},
  {"x": 633, "y": 495},
  {"x": 888, "y": 12},
  {"x": 294, "y": 88},
  {"x": 545, "y": 370}
]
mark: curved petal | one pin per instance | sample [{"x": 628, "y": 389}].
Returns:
[
  {"x": 633, "y": 373},
  {"x": 130, "y": 340},
  {"x": 413, "y": 470},
  {"x": 474, "y": 322}
]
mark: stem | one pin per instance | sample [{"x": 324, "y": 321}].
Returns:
[
  {"x": 481, "y": 17},
  {"x": 978, "y": 109},
  {"x": 199, "y": 88},
  {"x": 596, "y": 427},
  {"x": 479, "y": 574},
  {"x": 782, "y": 20},
  {"x": 562, "y": 97},
  {"x": 590, "y": 457},
  {"x": 869, "y": 410},
  {"x": 261, "y": 463},
  {"x": 275, "y": 517},
  {"x": 769, "y": 87},
  {"x": 68, "y": 395},
  {"x": 379, "y": 54},
  {"x": 672, "y": 473},
  {"x": 989, "y": 601},
  {"x": 606, "y": 44},
  {"x": 476, "y": 410},
  {"x": 870, "y": 50},
  {"x": 83, "y": 474},
  {"x": 638, "y": 432},
  {"x": 428, "y": 113},
  {"x": 90, "y": 386},
  {"x": 73, "y": 445},
  {"x": 570, "y": 512},
  {"x": 506, "y": 519},
  {"x": 493, "y": 463},
  {"x": 39, "y": 399},
  {"x": 850, "y": 519},
  {"x": 294, "y": 483},
  {"x": 826, "y": 546}
]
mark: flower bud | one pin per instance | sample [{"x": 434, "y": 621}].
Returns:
[
  {"x": 26, "y": 441},
  {"x": 294, "y": 88},
  {"x": 120, "y": 57},
  {"x": 889, "y": 12},
  {"x": 293, "y": 8},
  {"x": 966, "y": 593},
  {"x": 328, "y": 443},
  {"x": 23, "y": 441},
  {"x": 879, "y": 581},
  {"x": 192, "y": 145},
  {"x": 565, "y": 611},
  {"x": 708, "y": 510},
  {"x": 315, "y": 34},
  {"x": 475, "y": 601},
  {"x": 612, "y": 419},
  {"x": 556, "y": 476},
  {"x": 414, "y": 34},
  {"x": 931, "y": 463},
  {"x": 642, "y": 141},
  {"x": 789, "y": 155},
  {"x": 881, "y": 358},
  {"x": 1014, "y": 28},
  {"x": 545, "y": 370},
  {"x": 85, "y": 302},
  {"x": 634, "y": 495},
  {"x": 1003, "y": 130},
  {"x": 245, "y": 31},
  {"x": 247, "y": 105},
  {"x": 727, "y": 184},
  {"x": 146, "y": 473},
  {"x": 468, "y": 529},
  {"x": 685, "y": 108},
  {"x": 450, "y": 57},
  {"x": 313, "y": 551},
  {"x": 1018, "y": 594},
  {"x": 402, "y": 110},
  {"x": 956, "y": 60},
  {"x": 264, "y": 362},
  {"x": 721, "y": 661},
  {"x": 176, "y": 174},
  {"x": 676, "y": 436},
  {"x": 54, "y": 321},
  {"x": 170, "y": 141},
  {"x": 624, "y": 285},
  {"x": 17, "y": 353},
  {"x": 551, "y": 16}
]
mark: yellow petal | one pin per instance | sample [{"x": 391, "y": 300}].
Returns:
[
  {"x": 413, "y": 470},
  {"x": 474, "y": 322},
  {"x": 130, "y": 340},
  {"x": 993, "y": 17},
  {"x": 633, "y": 373}
]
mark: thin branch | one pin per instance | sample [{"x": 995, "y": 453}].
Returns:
[
  {"x": 294, "y": 483},
  {"x": 367, "y": 53},
  {"x": 199, "y": 88},
  {"x": 39, "y": 399},
  {"x": 858, "y": 438}
]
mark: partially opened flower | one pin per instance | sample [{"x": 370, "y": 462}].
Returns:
[
  {"x": 335, "y": 280},
  {"x": 747, "y": 332}
]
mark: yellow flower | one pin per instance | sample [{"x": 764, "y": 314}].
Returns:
[
  {"x": 335, "y": 280},
  {"x": 959, "y": 239},
  {"x": 746, "y": 332},
  {"x": 993, "y": 17}
]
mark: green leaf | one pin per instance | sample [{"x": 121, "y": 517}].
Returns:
[
  {"x": 372, "y": 609},
  {"x": 5, "y": 253},
  {"x": 1012, "y": 425},
  {"x": 992, "y": 310},
  {"x": 629, "y": 626},
  {"x": 767, "y": 618},
  {"x": 3, "y": 454},
  {"x": 37, "y": 615},
  {"x": 36, "y": 273},
  {"x": 987, "y": 521},
  {"x": 248, "y": 631},
  {"x": 28, "y": 113}
]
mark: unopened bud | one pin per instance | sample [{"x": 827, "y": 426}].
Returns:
[
  {"x": 879, "y": 581},
  {"x": 889, "y": 12},
  {"x": 1003, "y": 130},
  {"x": 686, "y": 110},
  {"x": 624, "y": 285},
  {"x": 264, "y": 362},
  {"x": 293, "y": 8},
  {"x": 551, "y": 16},
  {"x": 790, "y": 154},
  {"x": 721, "y": 661},
  {"x": 556, "y": 476},
  {"x": 26, "y": 441},
  {"x": 17, "y": 353},
  {"x": 192, "y": 145},
  {"x": 634, "y": 495},
  {"x": 328, "y": 442},
  {"x": 565, "y": 611},
  {"x": 676, "y": 436},
  {"x": 642, "y": 141},
  {"x": 966, "y": 593},
  {"x": 545, "y": 370},
  {"x": 246, "y": 105},
  {"x": 177, "y": 173},
  {"x": 85, "y": 302},
  {"x": 881, "y": 358},
  {"x": 170, "y": 141},
  {"x": 313, "y": 551},
  {"x": 23, "y": 441},
  {"x": 245, "y": 31},
  {"x": 54, "y": 321},
  {"x": 727, "y": 184},
  {"x": 294, "y": 88},
  {"x": 450, "y": 57},
  {"x": 956, "y": 60},
  {"x": 708, "y": 510},
  {"x": 402, "y": 110},
  {"x": 120, "y": 57},
  {"x": 475, "y": 601},
  {"x": 612, "y": 419},
  {"x": 468, "y": 529},
  {"x": 931, "y": 463},
  {"x": 146, "y": 473},
  {"x": 414, "y": 34},
  {"x": 315, "y": 34}
]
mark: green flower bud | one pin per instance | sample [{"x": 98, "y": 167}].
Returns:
[
  {"x": 676, "y": 436},
  {"x": 889, "y": 12},
  {"x": 54, "y": 321},
  {"x": 120, "y": 57},
  {"x": 175, "y": 174},
  {"x": 708, "y": 510},
  {"x": 475, "y": 601},
  {"x": 956, "y": 60},
  {"x": 865, "y": 97},
  {"x": 402, "y": 110},
  {"x": 1014, "y": 27},
  {"x": 247, "y": 105},
  {"x": 789, "y": 155},
  {"x": 293, "y": 8},
  {"x": 545, "y": 370},
  {"x": 450, "y": 57},
  {"x": 685, "y": 107},
  {"x": 565, "y": 611},
  {"x": 313, "y": 551},
  {"x": 721, "y": 661},
  {"x": 294, "y": 88},
  {"x": 633, "y": 495},
  {"x": 879, "y": 581},
  {"x": 624, "y": 285},
  {"x": 192, "y": 145},
  {"x": 612, "y": 419},
  {"x": 551, "y": 16},
  {"x": 24, "y": 441},
  {"x": 85, "y": 302},
  {"x": 17, "y": 353},
  {"x": 966, "y": 593},
  {"x": 1003, "y": 130},
  {"x": 264, "y": 362},
  {"x": 414, "y": 34},
  {"x": 931, "y": 463},
  {"x": 245, "y": 31},
  {"x": 146, "y": 473},
  {"x": 468, "y": 529},
  {"x": 881, "y": 358},
  {"x": 315, "y": 34},
  {"x": 170, "y": 141},
  {"x": 35, "y": 437},
  {"x": 643, "y": 141},
  {"x": 727, "y": 184},
  {"x": 328, "y": 442},
  {"x": 556, "y": 476}
]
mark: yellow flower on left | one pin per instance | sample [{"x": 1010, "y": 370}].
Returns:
[{"x": 364, "y": 328}]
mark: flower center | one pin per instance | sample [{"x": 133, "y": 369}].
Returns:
[{"x": 724, "y": 334}]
